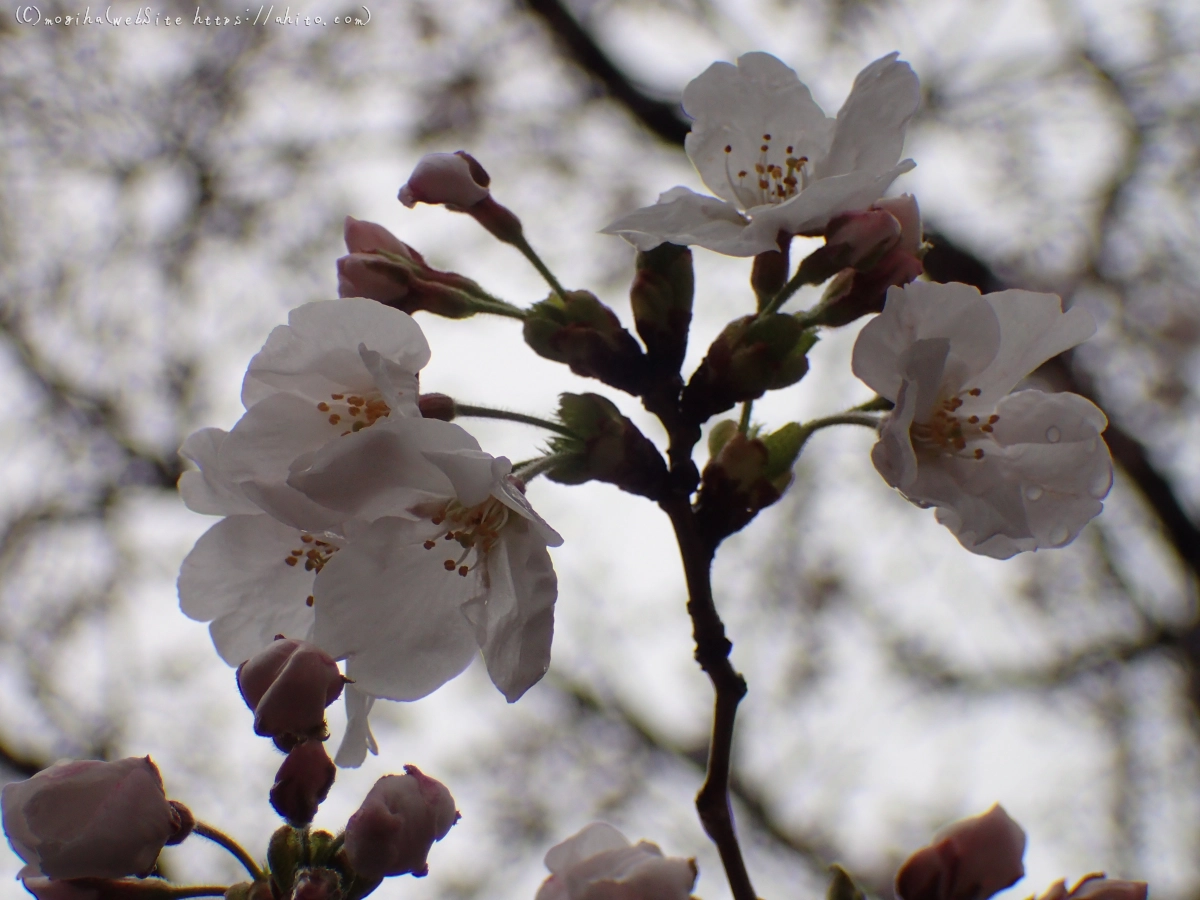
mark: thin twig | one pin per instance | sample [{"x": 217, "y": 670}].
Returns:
[{"x": 224, "y": 840}]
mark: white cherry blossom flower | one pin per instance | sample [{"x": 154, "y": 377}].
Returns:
[
  {"x": 600, "y": 862},
  {"x": 453, "y": 560},
  {"x": 1008, "y": 472},
  {"x": 337, "y": 367},
  {"x": 775, "y": 161}
]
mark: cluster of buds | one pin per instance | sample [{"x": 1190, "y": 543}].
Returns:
[{"x": 288, "y": 687}]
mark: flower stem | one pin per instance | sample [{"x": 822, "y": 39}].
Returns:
[
  {"x": 850, "y": 417},
  {"x": 486, "y": 412},
  {"x": 498, "y": 307},
  {"x": 712, "y": 653},
  {"x": 744, "y": 423},
  {"x": 530, "y": 469},
  {"x": 536, "y": 261},
  {"x": 219, "y": 837}
]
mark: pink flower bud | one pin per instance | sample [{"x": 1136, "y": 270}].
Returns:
[
  {"x": 968, "y": 860},
  {"x": 599, "y": 862},
  {"x": 455, "y": 180},
  {"x": 303, "y": 782},
  {"x": 908, "y": 214},
  {"x": 369, "y": 237},
  {"x": 288, "y": 685},
  {"x": 1097, "y": 887},
  {"x": 437, "y": 406},
  {"x": 84, "y": 818},
  {"x": 397, "y": 824},
  {"x": 858, "y": 239}
]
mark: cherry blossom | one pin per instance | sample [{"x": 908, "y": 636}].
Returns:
[
  {"x": 453, "y": 560},
  {"x": 777, "y": 164},
  {"x": 336, "y": 368},
  {"x": 1008, "y": 472},
  {"x": 600, "y": 862}
]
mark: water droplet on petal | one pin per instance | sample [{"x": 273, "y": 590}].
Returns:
[
  {"x": 1033, "y": 492},
  {"x": 1100, "y": 484},
  {"x": 1053, "y": 435},
  {"x": 1058, "y": 534}
]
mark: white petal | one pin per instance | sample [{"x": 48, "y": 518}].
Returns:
[
  {"x": 210, "y": 490},
  {"x": 869, "y": 135},
  {"x": 514, "y": 618},
  {"x": 381, "y": 470},
  {"x": 387, "y": 606},
  {"x": 893, "y": 453},
  {"x": 358, "y": 738},
  {"x": 259, "y": 452},
  {"x": 684, "y": 217},
  {"x": 511, "y": 496},
  {"x": 598, "y": 837},
  {"x": 1033, "y": 328},
  {"x": 470, "y": 471},
  {"x": 236, "y": 577},
  {"x": 397, "y": 383},
  {"x": 316, "y": 353},
  {"x": 810, "y": 210},
  {"x": 924, "y": 310},
  {"x": 735, "y": 106},
  {"x": 978, "y": 501}
]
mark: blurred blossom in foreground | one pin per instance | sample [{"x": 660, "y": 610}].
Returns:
[
  {"x": 971, "y": 859},
  {"x": 778, "y": 165},
  {"x": 1097, "y": 887},
  {"x": 599, "y": 863},
  {"x": 90, "y": 819},
  {"x": 1008, "y": 472}
]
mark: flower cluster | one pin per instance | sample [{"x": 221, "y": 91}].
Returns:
[{"x": 389, "y": 540}]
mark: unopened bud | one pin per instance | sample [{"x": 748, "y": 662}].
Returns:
[
  {"x": 770, "y": 273},
  {"x": 454, "y": 180},
  {"x": 288, "y": 685},
  {"x": 285, "y": 856},
  {"x": 905, "y": 210},
  {"x": 747, "y": 474},
  {"x": 89, "y": 819},
  {"x": 437, "y": 406},
  {"x": 383, "y": 268},
  {"x": 303, "y": 782},
  {"x": 968, "y": 860},
  {"x": 661, "y": 297},
  {"x": 247, "y": 890},
  {"x": 607, "y": 447},
  {"x": 397, "y": 824},
  {"x": 579, "y": 330},
  {"x": 59, "y": 889},
  {"x": 750, "y": 357}
]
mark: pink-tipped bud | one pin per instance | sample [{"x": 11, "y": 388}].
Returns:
[
  {"x": 369, "y": 237},
  {"x": 89, "y": 819},
  {"x": 599, "y": 862},
  {"x": 858, "y": 239},
  {"x": 455, "y": 180},
  {"x": 971, "y": 859},
  {"x": 288, "y": 685},
  {"x": 397, "y": 824},
  {"x": 1097, "y": 887},
  {"x": 303, "y": 782},
  {"x": 905, "y": 210}
]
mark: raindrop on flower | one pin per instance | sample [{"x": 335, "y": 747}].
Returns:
[
  {"x": 1033, "y": 492},
  {"x": 1058, "y": 534},
  {"x": 1053, "y": 435},
  {"x": 1101, "y": 484}
]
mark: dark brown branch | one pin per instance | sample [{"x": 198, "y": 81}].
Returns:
[
  {"x": 666, "y": 120},
  {"x": 712, "y": 652}
]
